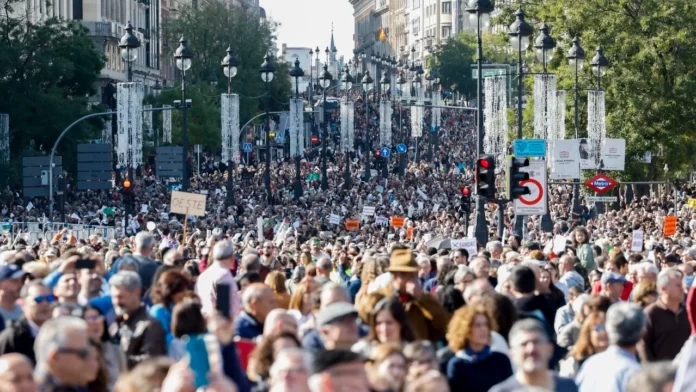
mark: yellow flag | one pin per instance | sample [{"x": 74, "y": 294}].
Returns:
[{"x": 382, "y": 36}]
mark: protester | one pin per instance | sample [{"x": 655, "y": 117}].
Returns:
[
  {"x": 19, "y": 337},
  {"x": 257, "y": 300}
]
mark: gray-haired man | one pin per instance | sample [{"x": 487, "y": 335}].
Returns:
[
  {"x": 141, "y": 336},
  {"x": 612, "y": 369}
]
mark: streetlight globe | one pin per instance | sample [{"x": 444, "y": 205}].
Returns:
[
  {"x": 183, "y": 64},
  {"x": 267, "y": 69},
  {"x": 599, "y": 63},
  {"x": 230, "y": 72},
  {"x": 267, "y": 77},
  {"x": 129, "y": 55},
  {"x": 367, "y": 82}
]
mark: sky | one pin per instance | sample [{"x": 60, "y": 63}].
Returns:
[{"x": 307, "y": 23}]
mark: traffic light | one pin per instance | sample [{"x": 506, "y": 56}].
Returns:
[
  {"x": 514, "y": 178},
  {"x": 128, "y": 193},
  {"x": 466, "y": 199},
  {"x": 485, "y": 177}
]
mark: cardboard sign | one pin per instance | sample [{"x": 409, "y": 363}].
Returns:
[
  {"x": 259, "y": 228},
  {"x": 559, "y": 244},
  {"x": 409, "y": 233},
  {"x": 352, "y": 225},
  {"x": 382, "y": 221},
  {"x": 187, "y": 203},
  {"x": 637, "y": 241},
  {"x": 691, "y": 203},
  {"x": 368, "y": 211},
  {"x": 397, "y": 221},
  {"x": 670, "y": 225},
  {"x": 334, "y": 219},
  {"x": 465, "y": 243}
]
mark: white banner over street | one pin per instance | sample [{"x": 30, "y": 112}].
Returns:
[
  {"x": 565, "y": 159},
  {"x": 614, "y": 154}
]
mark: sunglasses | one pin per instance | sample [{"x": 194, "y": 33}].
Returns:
[
  {"x": 50, "y": 298},
  {"x": 83, "y": 353}
]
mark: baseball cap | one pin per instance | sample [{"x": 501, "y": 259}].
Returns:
[
  {"x": 612, "y": 277},
  {"x": 10, "y": 271},
  {"x": 335, "y": 312}
]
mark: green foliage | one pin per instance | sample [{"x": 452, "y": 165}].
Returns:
[
  {"x": 49, "y": 71},
  {"x": 651, "y": 82},
  {"x": 210, "y": 29}
]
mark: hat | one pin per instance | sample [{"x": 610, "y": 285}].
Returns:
[
  {"x": 10, "y": 271},
  {"x": 672, "y": 258},
  {"x": 612, "y": 277},
  {"x": 402, "y": 261},
  {"x": 335, "y": 312}
]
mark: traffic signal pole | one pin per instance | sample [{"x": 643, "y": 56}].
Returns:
[{"x": 480, "y": 228}]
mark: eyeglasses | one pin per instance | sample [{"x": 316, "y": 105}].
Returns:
[
  {"x": 50, "y": 298},
  {"x": 91, "y": 319},
  {"x": 600, "y": 328},
  {"x": 82, "y": 353}
]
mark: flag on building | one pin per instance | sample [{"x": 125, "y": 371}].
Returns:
[{"x": 381, "y": 34}]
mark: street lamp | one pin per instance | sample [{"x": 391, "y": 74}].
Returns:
[
  {"x": 347, "y": 83},
  {"x": 129, "y": 45},
  {"x": 544, "y": 46},
  {"x": 267, "y": 70},
  {"x": 402, "y": 156},
  {"x": 367, "y": 87},
  {"x": 157, "y": 88},
  {"x": 429, "y": 82},
  {"x": 576, "y": 60},
  {"x": 297, "y": 72},
  {"x": 385, "y": 82},
  {"x": 183, "y": 57},
  {"x": 479, "y": 16},
  {"x": 520, "y": 31},
  {"x": 229, "y": 68},
  {"x": 325, "y": 81},
  {"x": 599, "y": 66}
]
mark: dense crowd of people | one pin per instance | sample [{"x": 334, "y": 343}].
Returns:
[{"x": 303, "y": 304}]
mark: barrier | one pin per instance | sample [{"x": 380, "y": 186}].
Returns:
[{"x": 33, "y": 231}]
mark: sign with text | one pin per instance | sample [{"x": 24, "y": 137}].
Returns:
[
  {"x": 525, "y": 148},
  {"x": 670, "y": 226},
  {"x": 603, "y": 199},
  {"x": 397, "y": 221},
  {"x": 368, "y": 211},
  {"x": 334, "y": 219},
  {"x": 187, "y": 203},
  {"x": 601, "y": 183},
  {"x": 465, "y": 243},
  {"x": 637, "y": 241},
  {"x": 565, "y": 159},
  {"x": 352, "y": 225},
  {"x": 614, "y": 154}
]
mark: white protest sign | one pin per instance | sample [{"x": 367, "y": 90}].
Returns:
[
  {"x": 637, "y": 241},
  {"x": 373, "y": 173},
  {"x": 436, "y": 208},
  {"x": 614, "y": 154},
  {"x": 379, "y": 189},
  {"x": 259, "y": 228},
  {"x": 420, "y": 205},
  {"x": 368, "y": 211},
  {"x": 187, "y": 203},
  {"x": 29, "y": 206},
  {"x": 465, "y": 243},
  {"x": 559, "y": 244},
  {"x": 534, "y": 203},
  {"x": 411, "y": 211},
  {"x": 144, "y": 208},
  {"x": 334, "y": 219},
  {"x": 75, "y": 216},
  {"x": 565, "y": 159},
  {"x": 382, "y": 221},
  {"x": 422, "y": 194}
]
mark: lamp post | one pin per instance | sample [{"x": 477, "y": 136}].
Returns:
[
  {"x": 347, "y": 82},
  {"x": 429, "y": 83},
  {"x": 129, "y": 45},
  {"x": 599, "y": 66},
  {"x": 385, "y": 82},
  {"x": 156, "y": 90},
  {"x": 367, "y": 87},
  {"x": 417, "y": 84},
  {"x": 479, "y": 16},
  {"x": 183, "y": 57},
  {"x": 325, "y": 81},
  {"x": 545, "y": 46},
  {"x": 576, "y": 60},
  {"x": 297, "y": 72},
  {"x": 267, "y": 69},
  {"x": 229, "y": 68},
  {"x": 402, "y": 156},
  {"x": 520, "y": 32},
  {"x": 436, "y": 133}
]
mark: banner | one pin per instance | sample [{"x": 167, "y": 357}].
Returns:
[
  {"x": 167, "y": 124},
  {"x": 637, "y": 241},
  {"x": 297, "y": 128},
  {"x": 129, "y": 114},
  {"x": 586, "y": 152},
  {"x": 347, "y": 125},
  {"x": 385, "y": 123},
  {"x": 334, "y": 219},
  {"x": 614, "y": 154},
  {"x": 416, "y": 121},
  {"x": 465, "y": 243},
  {"x": 397, "y": 221},
  {"x": 368, "y": 211},
  {"x": 670, "y": 226},
  {"x": 565, "y": 159},
  {"x": 382, "y": 221}
]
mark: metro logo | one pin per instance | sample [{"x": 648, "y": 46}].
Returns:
[{"x": 601, "y": 183}]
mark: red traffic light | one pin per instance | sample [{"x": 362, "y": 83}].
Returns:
[
  {"x": 483, "y": 163},
  {"x": 315, "y": 139},
  {"x": 465, "y": 191},
  {"x": 127, "y": 184},
  {"x": 377, "y": 153}
]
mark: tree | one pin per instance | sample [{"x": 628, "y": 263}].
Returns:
[
  {"x": 49, "y": 71},
  {"x": 210, "y": 29},
  {"x": 651, "y": 83}
]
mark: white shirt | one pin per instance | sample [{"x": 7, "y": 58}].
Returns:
[{"x": 206, "y": 289}]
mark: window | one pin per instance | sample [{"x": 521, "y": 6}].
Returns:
[
  {"x": 446, "y": 7},
  {"x": 416, "y": 4},
  {"x": 416, "y": 26},
  {"x": 446, "y": 31}
]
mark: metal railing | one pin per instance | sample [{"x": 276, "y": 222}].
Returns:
[{"x": 33, "y": 231}]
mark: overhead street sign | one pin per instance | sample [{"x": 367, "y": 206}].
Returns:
[
  {"x": 601, "y": 183},
  {"x": 489, "y": 72},
  {"x": 525, "y": 148}
]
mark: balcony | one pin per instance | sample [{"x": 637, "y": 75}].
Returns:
[
  {"x": 381, "y": 6},
  {"x": 103, "y": 29}
]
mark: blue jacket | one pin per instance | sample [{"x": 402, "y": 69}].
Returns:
[
  {"x": 247, "y": 327},
  {"x": 164, "y": 316}
]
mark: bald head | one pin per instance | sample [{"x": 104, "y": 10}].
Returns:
[
  {"x": 16, "y": 374},
  {"x": 258, "y": 300}
]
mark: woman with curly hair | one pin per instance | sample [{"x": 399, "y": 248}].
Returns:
[
  {"x": 276, "y": 281},
  {"x": 387, "y": 368},
  {"x": 474, "y": 366},
  {"x": 301, "y": 299},
  {"x": 583, "y": 249},
  {"x": 592, "y": 339},
  {"x": 265, "y": 354},
  {"x": 170, "y": 289},
  {"x": 388, "y": 323},
  {"x": 645, "y": 293}
]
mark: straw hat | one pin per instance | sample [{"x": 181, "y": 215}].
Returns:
[{"x": 402, "y": 260}]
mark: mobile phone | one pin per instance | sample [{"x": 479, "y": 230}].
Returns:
[
  {"x": 85, "y": 264},
  {"x": 222, "y": 299},
  {"x": 199, "y": 362}
]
